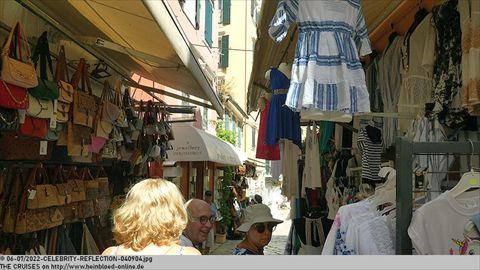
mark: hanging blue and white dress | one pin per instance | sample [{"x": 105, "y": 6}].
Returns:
[{"x": 327, "y": 74}]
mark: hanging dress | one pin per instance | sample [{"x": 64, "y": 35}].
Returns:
[
  {"x": 282, "y": 123},
  {"x": 470, "y": 24},
  {"x": 312, "y": 177},
  {"x": 326, "y": 73},
  {"x": 264, "y": 151}
]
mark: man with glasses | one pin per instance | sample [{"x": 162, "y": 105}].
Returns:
[
  {"x": 200, "y": 222},
  {"x": 211, "y": 236},
  {"x": 259, "y": 226}
]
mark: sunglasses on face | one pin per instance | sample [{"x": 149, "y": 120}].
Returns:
[
  {"x": 261, "y": 227},
  {"x": 204, "y": 219}
]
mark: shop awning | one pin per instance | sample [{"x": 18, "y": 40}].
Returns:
[
  {"x": 141, "y": 37},
  {"x": 193, "y": 144},
  {"x": 267, "y": 53}
]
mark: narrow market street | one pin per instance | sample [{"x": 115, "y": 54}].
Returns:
[{"x": 279, "y": 238}]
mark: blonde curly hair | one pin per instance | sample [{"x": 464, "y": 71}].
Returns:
[{"x": 153, "y": 212}]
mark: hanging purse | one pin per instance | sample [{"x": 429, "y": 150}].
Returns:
[
  {"x": 46, "y": 89},
  {"x": 34, "y": 127},
  {"x": 84, "y": 106},
  {"x": 54, "y": 134},
  {"x": 12, "y": 95},
  {"x": 40, "y": 108},
  {"x": 16, "y": 72},
  {"x": 66, "y": 90},
  {"x": 109, "y": 150},
  {"x": 121, "y": 120},
  {"x": 76, "y": 186},
  {"x": 109, "y": 107},
  {"x": 91, "y": 185},
  {"x": 78, "y": 140},
  {"x": 8, "y": 120},
  {"x": 42, "y": 194},
  {"x": 103, "y": 126},
  {"x": 103, "y": 185}
]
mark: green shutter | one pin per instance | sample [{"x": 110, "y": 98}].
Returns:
[
  {"x": 226, "y": 12},
  {"x": 208, "y": 22},
  {"x": 197, "y": 14},
  {"x": 224, "y": 51}
]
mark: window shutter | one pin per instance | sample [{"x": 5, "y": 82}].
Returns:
[
  {"x": 208, "y": 22},
  {"x": 224, "y": 56},
  {"x": 226, "y": 12},
  {"x": 197, "y": 14}
]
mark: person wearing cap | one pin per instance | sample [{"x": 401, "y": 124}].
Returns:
[
  {"x": 211, "y": 235},
  {"x": 256, "y": 199},
  {"x": 200, "y": 222},
  {"x": 258, "y": 226}
]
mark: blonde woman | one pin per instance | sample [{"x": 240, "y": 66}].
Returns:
[{"x": 150, "y": 221}]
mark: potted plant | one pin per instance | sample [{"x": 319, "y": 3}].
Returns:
[{"x": 224, "y": 205}]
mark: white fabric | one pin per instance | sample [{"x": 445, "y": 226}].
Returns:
[
  {"x": 417, "y": 81},
  {"x": 438, "y": 227},
  {"x": 332, "y": 195},
  {"x": 335, "y": 241},
  {"x": 312, "y": 177},
  {"x": 185, "y": 242}
]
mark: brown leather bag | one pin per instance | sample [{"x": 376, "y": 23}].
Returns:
[
  {"x": 76, "y": 187},
  {"x": 86, "y": 209},
  {"x": 58, "y": 180},
  {"x": 102, "y": 205},
  {"x": 84, "y": 106},
  {"x": 103, "y": 185},
  {"x": 91, "y": 185},
  {"x": 41, "y": 194}
]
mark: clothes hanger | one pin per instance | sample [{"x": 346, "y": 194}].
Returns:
[{"x": 469, "y": 180}]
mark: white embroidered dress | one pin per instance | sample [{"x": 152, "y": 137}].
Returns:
[{"x": 326, "y": 73}]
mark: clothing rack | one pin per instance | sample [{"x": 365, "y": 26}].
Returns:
[{"x": 404, "y": 190}]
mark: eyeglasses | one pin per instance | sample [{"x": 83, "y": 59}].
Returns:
[
  {"x": 204, "y": 219},
  {"x": 260, "y": 227}
]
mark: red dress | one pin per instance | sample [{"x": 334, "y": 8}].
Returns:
[{"x": 264, "y": 151}]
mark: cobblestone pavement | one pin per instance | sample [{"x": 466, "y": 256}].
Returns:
[{"x": 277, "y": 244}]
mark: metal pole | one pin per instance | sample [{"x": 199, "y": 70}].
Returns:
[{"x": 404, "y": 159}]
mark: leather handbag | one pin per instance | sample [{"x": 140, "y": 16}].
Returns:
[
  {"x": 76, "y": 186},
  {"x": 109, "y": 150},
  {"x": 109, "y": 105},
  {"x": 41, "y": 194},
  {"x": 63, "y": 190},
  {"x": 23, "y": 148},
  {"x": 62, "y": 112},
  {"x": 8, "y": 120},
  {"x": 91, "y": 185},
  {"x": 46, "y": 89},
  {"x": 34, "y": 127},
  {"x": 40, "y": 108},
  {"x": 89, "y": 247},
  {"x": 14, "y": 70},
  {"x": 61, "y": 75},
  {"x": 104, "y": 123},
  {"x": 86, "y": 209},
  {"x": 54, "y": 134},
  {"x": 12, "y": 96},
  {"x": 121, "y": 120},
  {"x": 102, "y": 205},
  {"x": 103, "y": 185},
  {"x": 78, "y": 140},
  {"x": 84, "y": 106},
  {"x": 97, "y": 144}
]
